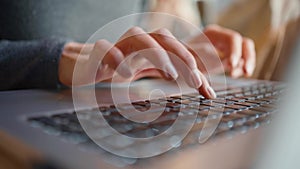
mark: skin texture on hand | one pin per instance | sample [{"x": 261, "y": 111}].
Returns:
[
  {"x": 236, "y": 52},
  {"x": 98, "y": 62}
]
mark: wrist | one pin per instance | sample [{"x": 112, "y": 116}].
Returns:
[{"x": 67, "y": 62}]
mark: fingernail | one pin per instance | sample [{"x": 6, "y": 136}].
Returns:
[
  {"x": 195, "y": 78},
  {"x": 125, "y": 70},
  {"x": 234, "y": 73},
  {"x": 234, "y": 62},
  {"x": 249, "y": 70},
  {"x": 211, "y": 92},
  {"x": 169, "y": 68}
]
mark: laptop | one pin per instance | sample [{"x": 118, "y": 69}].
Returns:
[
  {"x": 59, "y": 130},
  {"x": 49, "y": 122}
]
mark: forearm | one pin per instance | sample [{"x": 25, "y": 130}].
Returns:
[{"x": 30, "y": 64}]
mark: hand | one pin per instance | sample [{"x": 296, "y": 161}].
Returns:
[
  {"x": 98, "y": 62},
  {"x": 237, "y": 53}
]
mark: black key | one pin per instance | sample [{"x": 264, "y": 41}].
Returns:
[
  {"x": 210, "y": 113},
  {"x": 271, "y": 106},
  {"x": 250, "y": 97},
  {"x": 235, "y": 115},
  {"x": 263, "y": 100},
  {"x": 259, "y": 102},
  {"x": 186, "y": 102},
  {"x": 260, "y": 96},
  {"x": 212, "y": 104},
  {"x": 193, "y": 95},
  {"x": 248, "y": 93},
  {"x": 173, "y": 105},
  {"x": 224, "y": 110},
  {"x": 237, "y": 99},
  {"x": 262, "y": 90},
  {"x": 249, "y": 112},
  {"x": 255, "y": 91},
  {"x": 236, "y": 107},
  {"x": 229, "y": 97},
  {"x": 234, "y": 90},
  {"x": 247, "y": 104},
  {"x": 194, "y": 99},
  {"x": 206, "y": 101},
  {"x": 233, "y": 120},
  {"x": 223, "y": 101},
  {"x": 203, "y": 107},
  {"x": 239, "y": 94},
  {"x": 188, "y": 96},
  {"x": 176, "y": 97},
  {"x": 141, "y": 103}
]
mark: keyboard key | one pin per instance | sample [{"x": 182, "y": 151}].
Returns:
[
  {"x": 186, "y": 102},
  {"x": 247, "y": 104},
  {"x": 262, "y": 109},
  {"x": 173, "y": 105},
  {"x": 213, "y": 105},
  {"x": 236, "y": 107},
  {"x": 259, "y": 102},
  {"x": 249, "y": 112},
  {"x": 270, "y": 106},
  {"x": 223, "y": 101},
  {"x": 224, "y": 110}
]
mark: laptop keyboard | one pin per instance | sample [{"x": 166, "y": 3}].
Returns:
[{"x": 242, "y": 108}]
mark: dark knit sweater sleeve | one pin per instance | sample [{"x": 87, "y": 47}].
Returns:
[{"x": 30, "y": 64}]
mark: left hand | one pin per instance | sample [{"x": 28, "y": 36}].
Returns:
[{"x": 236, "y": 52}]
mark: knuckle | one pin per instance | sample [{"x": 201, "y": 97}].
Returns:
[
  {"x": 163, "y": 31},
  {"x": 101, "y": 42},
  {"x": 212, "y": 27},
  {"x": 115, "y": 52},
  {"x": 189, "y": 60},
  {"x": 236, "y": 36},
  {"x": 135, "y": 29},
  {"x": 135, "y": 33},
  {"x": 249, "y": 41}
]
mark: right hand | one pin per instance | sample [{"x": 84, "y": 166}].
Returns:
[{"x": 135, "y": 40}]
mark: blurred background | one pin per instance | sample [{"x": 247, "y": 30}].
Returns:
[{"x": 272, "y": 24}]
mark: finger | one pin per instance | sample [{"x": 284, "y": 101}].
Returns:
[
  {"x": 205, "y": 89},
  {"x": 136, "y": 40},
  {"x": 171, "y": 44},
  {"x": 249, "y": 56},
  {"x": 107, "y": 54},
  {"x": 238, "y": 71},
  {"x": 235, "y": 48},
  {"x": 229, "y": 40}
]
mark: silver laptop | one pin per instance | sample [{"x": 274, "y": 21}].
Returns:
[{"x": 72, "y": 135}]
